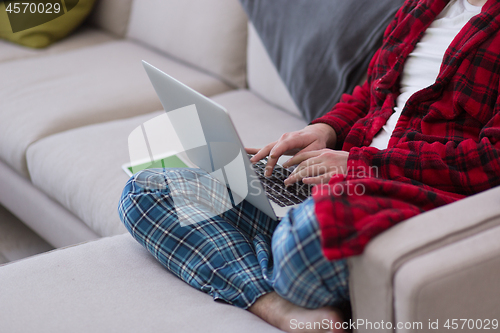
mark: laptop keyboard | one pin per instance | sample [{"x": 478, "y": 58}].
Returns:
[{"x": 275, "y": 186}]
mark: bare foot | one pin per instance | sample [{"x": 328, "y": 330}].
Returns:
[{"x": 294, "y": 319}]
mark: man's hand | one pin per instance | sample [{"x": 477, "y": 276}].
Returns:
[
  {"x": 312, "y": 137},
  {"x": 318, "y": 166}
]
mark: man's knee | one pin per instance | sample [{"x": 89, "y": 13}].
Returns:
[
  {"x": 140, "y": 198},
  {"x": 290, "y": 258},
  {"x": 301, "y": 273},
  {"x": 168, "y": 195},
  {"x": 303, "y": 276}
]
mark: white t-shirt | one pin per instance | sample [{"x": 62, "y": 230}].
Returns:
[{"x": 422, "y": 66}]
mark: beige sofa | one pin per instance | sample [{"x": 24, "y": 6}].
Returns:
[{"x": 65, "y": 116}]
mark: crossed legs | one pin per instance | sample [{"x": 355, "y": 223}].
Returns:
[{"x": 242, "y": 257}]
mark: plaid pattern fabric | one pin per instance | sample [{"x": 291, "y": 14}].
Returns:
[
  {"x": 446, "y": 144},
  {"x": 236, "y": 256}
]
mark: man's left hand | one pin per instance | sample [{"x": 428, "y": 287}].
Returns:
[{"x": 317, "y": 166}]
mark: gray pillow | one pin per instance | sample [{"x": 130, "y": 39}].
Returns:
[{"x": 321, "y": 48}]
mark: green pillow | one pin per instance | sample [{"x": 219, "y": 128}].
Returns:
[{"x": 44, "y": 24}]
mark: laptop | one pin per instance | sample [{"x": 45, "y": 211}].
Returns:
[{"x": 210, "y": 142}]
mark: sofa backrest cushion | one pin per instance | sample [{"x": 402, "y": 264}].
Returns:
[
  {"x": 321, "y": 48},
  {"x": 111, "y": 15},
  {"x": 208, "y": 34},
  {"x": 263, "y": 77}
]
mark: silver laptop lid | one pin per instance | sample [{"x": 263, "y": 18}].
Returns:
[{"x": 209, "y": 138}]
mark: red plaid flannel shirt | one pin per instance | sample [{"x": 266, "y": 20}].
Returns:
[{"x": 446, "y": 144}]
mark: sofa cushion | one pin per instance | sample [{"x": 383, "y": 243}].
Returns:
[
  {"x": 209, "y": 34},
  {"x": 52, "y": 94},
  {"x": 32, "y": 28},
  {"x": 257, "y": 122},
  {"x": 110, "y": 285},
  {"x": 81, "y": 168},
  {"x": 39, "y": 212},
  {"x": 83, "y": 37},
  {"x": 263, "y": 77},
  {"x": 111, "y": 16},
  {"x": 321, "y": 50}
]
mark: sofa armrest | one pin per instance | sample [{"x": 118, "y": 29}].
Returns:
[{"x": 379, "y": 277}]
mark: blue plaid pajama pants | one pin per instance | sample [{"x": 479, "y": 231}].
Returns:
[{"x": 238, "y": 255}]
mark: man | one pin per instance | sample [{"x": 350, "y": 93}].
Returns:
[{"x": 422, "y": 132}]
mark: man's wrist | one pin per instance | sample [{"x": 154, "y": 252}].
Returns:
[{"x": 328, "y": 133}]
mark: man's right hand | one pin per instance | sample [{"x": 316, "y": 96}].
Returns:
[{"x": 312, "y": 137}]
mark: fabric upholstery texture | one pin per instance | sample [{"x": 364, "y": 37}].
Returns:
[
  {"x": 42, "y": 35},
  {"x": 81, "y": 169},
  {"x": 208, "y": 34},
  {"x": 37, "y": 210},
  {"x": 321, "y": 51},
  {"x": 457, "y": 281},
  {"x": 263, "y": 77},
  {"x": 83, "y": 37},
  {"x": 111, "y": 15},
  {"x": 81, "y": 87},
  {"x": 245, "y": 107},
  {"x": 110, "y": 285}
]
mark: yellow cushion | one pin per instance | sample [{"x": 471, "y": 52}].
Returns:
[{"x": 53, "y": 26}]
